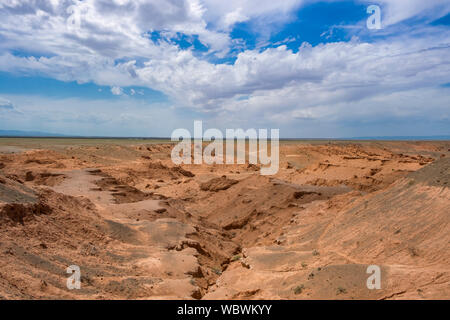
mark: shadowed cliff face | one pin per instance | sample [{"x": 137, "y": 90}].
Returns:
[{"x": 140, "y": 227}]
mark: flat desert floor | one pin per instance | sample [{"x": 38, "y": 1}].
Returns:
[{"x": 140, "y": 227}]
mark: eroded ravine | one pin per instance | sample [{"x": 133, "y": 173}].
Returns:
[{"x": 146, "y": 229}]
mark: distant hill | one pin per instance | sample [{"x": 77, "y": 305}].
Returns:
[
  {"x": 411, "y": 138},
  {"x": 19, "y": 133}
]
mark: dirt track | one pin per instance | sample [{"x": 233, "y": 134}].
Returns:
[{"x": 141, "y": 228}]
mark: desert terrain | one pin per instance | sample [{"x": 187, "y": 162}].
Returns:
[{"x": 140, "y": 227}]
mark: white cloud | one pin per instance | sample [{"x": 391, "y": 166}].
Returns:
[
  {"x": 224, "y": 14},
  {"x": 327, "y": 73},
  {"x": 117, "y": 91}
]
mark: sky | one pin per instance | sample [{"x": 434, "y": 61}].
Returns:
[{"x": 312, "y": 69}]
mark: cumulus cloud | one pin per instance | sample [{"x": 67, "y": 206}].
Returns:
[
  {"x": 329, "y": 73},
  {"x": 224, "y": 14}
]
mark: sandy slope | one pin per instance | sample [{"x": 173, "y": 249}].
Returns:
[{"x": 141, "y": 228}]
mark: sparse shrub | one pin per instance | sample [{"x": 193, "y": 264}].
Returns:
[
  {"x": 235, "y": 258},
  {"x": 413, "y": 252},
  {"x": 340, "y": 290},
  {"x": 299, "y": 289},
  {"x": 304, "y": 265},
  {"x": 315, "y": 252},
  {"x": 217, "y": 271}
]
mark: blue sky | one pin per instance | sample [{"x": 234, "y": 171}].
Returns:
[{"x": 146, "y": 67}]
